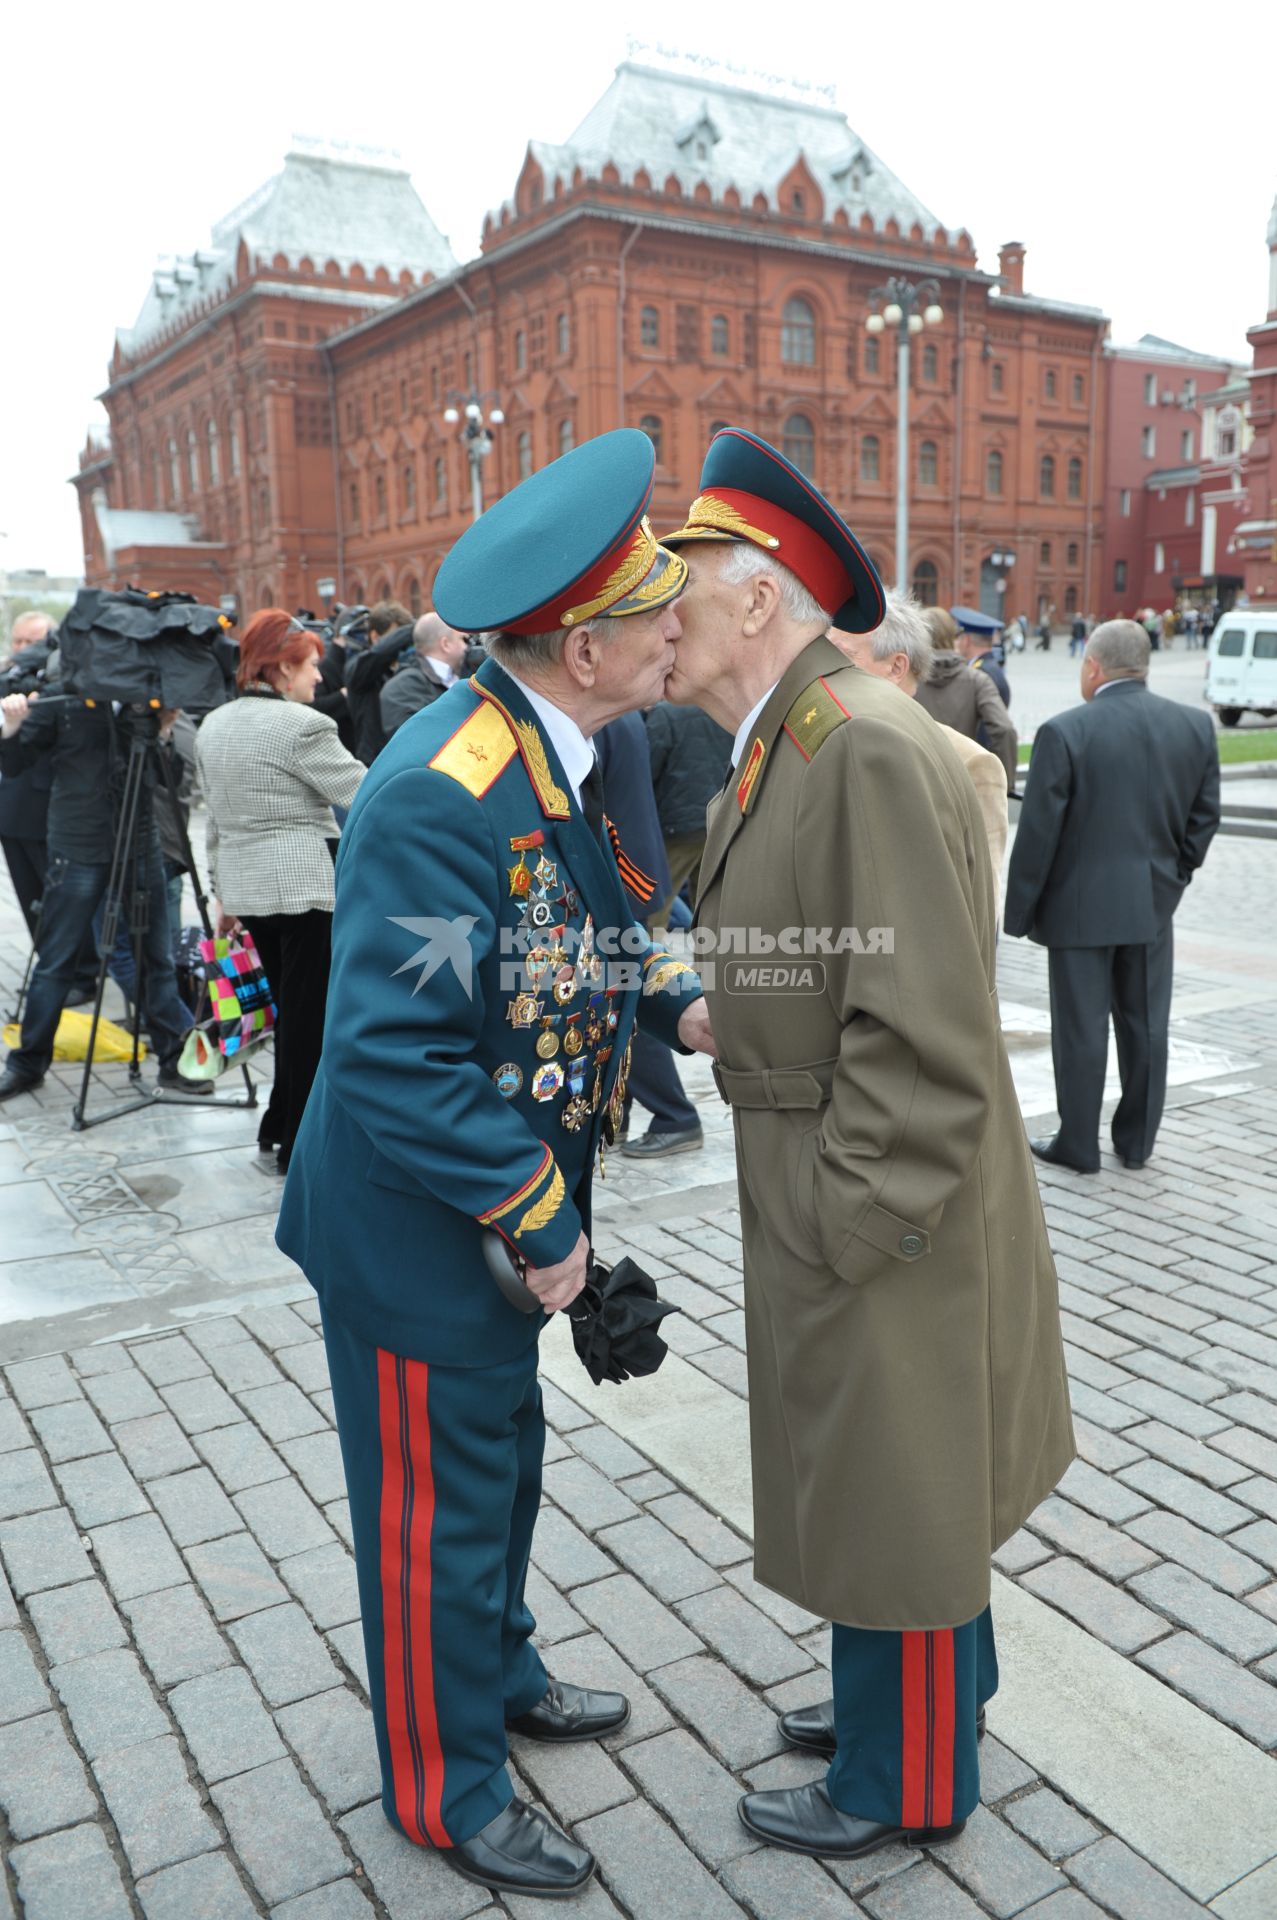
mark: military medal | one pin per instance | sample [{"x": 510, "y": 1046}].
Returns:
[
  {"x": 547, "y": 1081},
  {"x": 613, "y": 1013},
  {"x": 601, "y": 1059},
  {"x": 540, "y": 913},
  {"x": 548, "y": 1039},
  {"x": 576, "y": 1075},
  {"x": 565, "y": 986},
  {"x": 594, "y": 1022},
  {"x": 536, "y": 965},
  {"x": 523, "y": 1010},
  {"x": 576, "y": 1113},
  {"x": 524, "y": 842},
  {"x": 573, "y": 1039},
  {"x": 520, "y": 879},
  {"x": 558, "y": 952},
  {"x": 569, "y": 902},
  {"x": 546, "y": 875},
  {"x": 508, "y": 1079}
]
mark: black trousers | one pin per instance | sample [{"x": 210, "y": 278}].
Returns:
[
  {"x": 296, "y": 951},
  {"x": 1132, "y": 985},
  {"x": 27, "y": 861}
]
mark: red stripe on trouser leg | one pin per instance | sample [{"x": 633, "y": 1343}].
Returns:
[
  {"x": 407, "y": 1514},
  {"x": 942, "y": 1729},
  {"x": 914, "y": 1730}
]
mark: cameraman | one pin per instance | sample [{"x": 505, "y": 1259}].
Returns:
[
  {"x": 389, "y": 636},
  {"x": 84, "y": 744}
]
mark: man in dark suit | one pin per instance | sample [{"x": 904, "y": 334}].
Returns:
[
  {"x": 437, "y": 660},
  {"x": 1121, "y": 804}
]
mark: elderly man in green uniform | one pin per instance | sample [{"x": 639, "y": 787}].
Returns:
[{"x": 908, "y": 1400}]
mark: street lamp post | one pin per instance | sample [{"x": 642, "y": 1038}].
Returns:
[
  {"x": 909, "y": 307},
  {"x": 475, "y": 436}
]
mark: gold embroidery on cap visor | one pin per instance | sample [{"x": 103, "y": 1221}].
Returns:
[
  {"x": 646, "y": 577},
  {"x": 709, "y": 518}
]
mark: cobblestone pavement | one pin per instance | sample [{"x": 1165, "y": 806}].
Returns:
[{"x": 183, "y": 1723}]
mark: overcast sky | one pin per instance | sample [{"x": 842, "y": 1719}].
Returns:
[{"x": 1123, "y": 144}]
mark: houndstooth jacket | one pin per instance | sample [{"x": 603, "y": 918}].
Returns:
[{"x": 271, "y": 771}]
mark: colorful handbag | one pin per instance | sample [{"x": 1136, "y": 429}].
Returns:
[{"x": 243, "y": 1013}]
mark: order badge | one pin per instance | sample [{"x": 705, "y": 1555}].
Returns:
[
  {"x": 508, "y": 1079},
  {"x": 547, "y": 1081}
]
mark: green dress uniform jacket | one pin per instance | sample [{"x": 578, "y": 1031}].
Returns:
[{"x": 908, "y": 1398}]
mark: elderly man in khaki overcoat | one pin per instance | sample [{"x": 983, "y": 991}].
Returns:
[{"x": 908, "y": 1399}]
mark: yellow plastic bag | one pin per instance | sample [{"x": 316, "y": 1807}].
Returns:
[{"x": 72, "y": 1039}]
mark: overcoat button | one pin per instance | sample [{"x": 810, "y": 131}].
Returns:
[{"x": 911, "y": 1243}]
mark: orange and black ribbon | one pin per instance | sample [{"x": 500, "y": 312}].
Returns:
[{"x": 640, "y": 884}]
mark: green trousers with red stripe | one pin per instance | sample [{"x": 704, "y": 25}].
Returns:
[
  {"x": 443, "y": 1469},
  {"x": 905, "y": 1709}
]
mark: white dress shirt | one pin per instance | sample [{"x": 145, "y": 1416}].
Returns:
[
  {"x": 575, "y": 752},
  {"x": 440, "y": 669},
  {"x": 746, "y": 725}
]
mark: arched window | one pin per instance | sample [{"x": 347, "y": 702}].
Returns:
[
  {"x": 266, "y": 598},
  {"x": 993, "y": 471},
  {"x": 649, "y": 327},
  {"x": 930, "y": 362},
  {"x": 1046, "y": 477},
  {"x": 441, "y": 482},
  {"x": 174, "y": 474},
  {"x": 718, "y": 333},
  {"x": 523, "y": 454},
  {"x": 870, "y": 457},
  {"x": 798, "y": 334},
  {"x": 414, "y": 595},
  {"x": 1070, "y": 600},
  {"x": 651, "y": 426},
  {"x": 382, "y": 590},
  {"x": 799, "y": 443},
  {"x": 926, "y": 583},
  {"x": 520, "y": 350},
  {"x": 234, "y": 440},
  {"x": 263, "y": 506},
  {"x": 379, "y": 494},
  {"x": 1044, "y": 554},
  {"x": 354, "y": 503},
  {"x": 928, "y": 464},
  {"x": 1072, "y": 553},
  {"x": 871, "y": 354},
  {"x": 562, "y": 333},
  {"x": 214, "y": 455},
  {"x": 566, "y": 437},
  {"x": 1073, "y": 482},
  {"x": 192, "y": 461},
  {"x": 410, "y": 489}
]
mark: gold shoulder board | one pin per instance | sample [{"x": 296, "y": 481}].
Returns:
[
  {"x": 813, "y": 717},
  {"x": 481, "y": 748}
]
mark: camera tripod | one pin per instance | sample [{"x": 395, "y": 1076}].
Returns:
[{"x": 127, "y": 894}]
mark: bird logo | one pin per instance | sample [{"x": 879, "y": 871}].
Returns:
[{"x": 447, "y": 942}]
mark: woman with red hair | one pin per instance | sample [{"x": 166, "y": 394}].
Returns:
[{"x": 272, "y": 770}]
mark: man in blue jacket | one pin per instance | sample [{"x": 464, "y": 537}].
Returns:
[{"x": 487, "y": 974}]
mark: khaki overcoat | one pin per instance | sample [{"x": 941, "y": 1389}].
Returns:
[{"x": 908, "y": 1399}]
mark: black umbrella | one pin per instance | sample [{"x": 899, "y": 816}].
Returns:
[{"x": 614, "y": 1317}]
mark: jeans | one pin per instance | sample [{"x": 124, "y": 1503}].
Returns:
[{"x": 72, "y": 893}]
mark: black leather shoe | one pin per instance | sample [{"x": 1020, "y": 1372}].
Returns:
[
  {"x": 1132, "y": 1166},
  {"x": 522, "y": 1851},
  {"x": 651, "y": 1143},
  {"x": 12, "y": 1084},
  {"x": 805, "y": 1820},
  {"x": 170, "y": 1077},
  {"x": 1045, "y": 1149},
  {"x": 565, "y": 1712},
  {"x": 812, "y": 1728}
]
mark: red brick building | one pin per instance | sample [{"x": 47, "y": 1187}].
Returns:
[
  {"x": 1254, "y": 539},
  {"x": 695, "y": 253}
]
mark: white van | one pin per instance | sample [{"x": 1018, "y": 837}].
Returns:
[{"x": 1241, "y": 668}]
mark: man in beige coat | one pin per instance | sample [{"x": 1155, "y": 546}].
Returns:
[{"x": 908, "y": 1401}]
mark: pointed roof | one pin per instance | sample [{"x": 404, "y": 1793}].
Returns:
[
  {"x": 329, "y": 201},
  {"x": 726, "y": 132}
]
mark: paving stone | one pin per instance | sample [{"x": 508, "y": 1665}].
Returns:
[
  {"x": 109, "y": 1701},
  {"x": 575, "y": 1779},
  {"x": 555, "y": 1619},
  {"x": 323, "y": 1579},
  {"x": 1254, "y": 1898},
  {"x": 732, "y": 1721},
  {"x": 43, "y": 1784},
  {"x": 282, "y": 1412},
  {"x": 1259, "y": 1493},
  {"x": 286, "y": 1656},
  {"x": 137, "y": 1557},
  {"x": 175, "y": 1635},
  {"x": 1101, "y": 1410},
  {"x": 1174, "y": 1309},
  {"x": 1022, "y": 1550},
  {"x": 110, "y": 1356},
  {"x": 646, "y": 1486},
  {"x": 1120, "y": 1880},
  {"x": 1100, "y": 1494},
  {"x": 1092, "y": 1371},
  {"x": 8, "y": 1606},
  {"x": 1218, "y": 1561},
  {"x": 332, "y": 1735},
  {"x": 70, "y": 1873},
  {"x": 922, "y": 1894},
  {"x": 1086, "y": 1332},
  {"x": 692, "y": 1299},
  {"x": 650, "y": 1869},
  {"x": 1185, "y": 1383},
  {"x": 1069, "y": 1905},
  {"x": 278, "y": 1831},
  {"x": 1047, "y": 1819},
  {"x": 591, "y": 1662},
  {"x": 154, "y": 1446},
  {"x": 1218, "y": 1684},
  {"x": 339, "y": 1900},
  {"x": 155, "y": 1808},
  {"x": 564, "y": 1554},
  {"x": 41, "y": 1551},
  {"x": 206, "y": 1888},
  {"x": 608, "y": 1452},
  {"x": 41, "y": 1383},
  {"x": 688, "y": 1337},
  {"x": 562, "y": 1413},
  {"x": 583, "y": 1493},
  {"x": 240, "y": 1457},
  {"x": 791, "y": 1619},
  {"x": 1108, "y": 1549},
  {"x": 283, "y": 1517},
  {"x": 1003, "y": 1871},
  {"x": 1250, "y": 1411},
  {"x": 1001, "y": 1771},
  {"x": 1239, "y": 1370},
  {"x": 337, "y": 1514},
  {"x": 1189, "y": 1455},
  {"x": 326, "y": 1404},
  {"x": 243, "y": 1366},
  {"x": 193, "y": 1507},
  {"x": 1191, "y": 1602},
  {"x": 306, "y": 1364},
  {"x": 22, "y": 1690},
  {"x": 1143, "y": 1330},
  {"x": 100, "y": 1489},
  {"x": 235, "y": 1576},
  {"x": 123, "y": 1396},
  {"x": 750, "y": 1643},
  {"x": 1179, "y": 1494},
  {"x": 647, "y": 1633},
  {"x": 658, "y": 1557},
  {"x": 1265, "y": 1598},
  {"x": 1249, "y": 1452},
  {"x": 167, "y": 1360},
  {"x": 727, "y": 1366},
  {"x": 198, "y": 1405},
  {"x": 25, "y": 1486},
  {"x": 694, "y": 1792},
  {"x": 14, "y": 1431},
  {"x": 1258, "y": 1540},
  {"x": 349, "y": 1644},
  {"x": 70, "y": 1430},
  {"x": 775, "y": 1886},
  {"x": 1107, "y": 1451},
  {"x": 206, "y": 1335},
  {"x": 224, "y": 1723},
  {"x": 413, "y": 1882},
  {"x": 703, "y": 1532},
  {"x": 316, "y": 1460},
  {"x": 276, "y": 1326},
  {"x": 74, "y": 1621},
  {"x": 856, "y": 1875}
]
